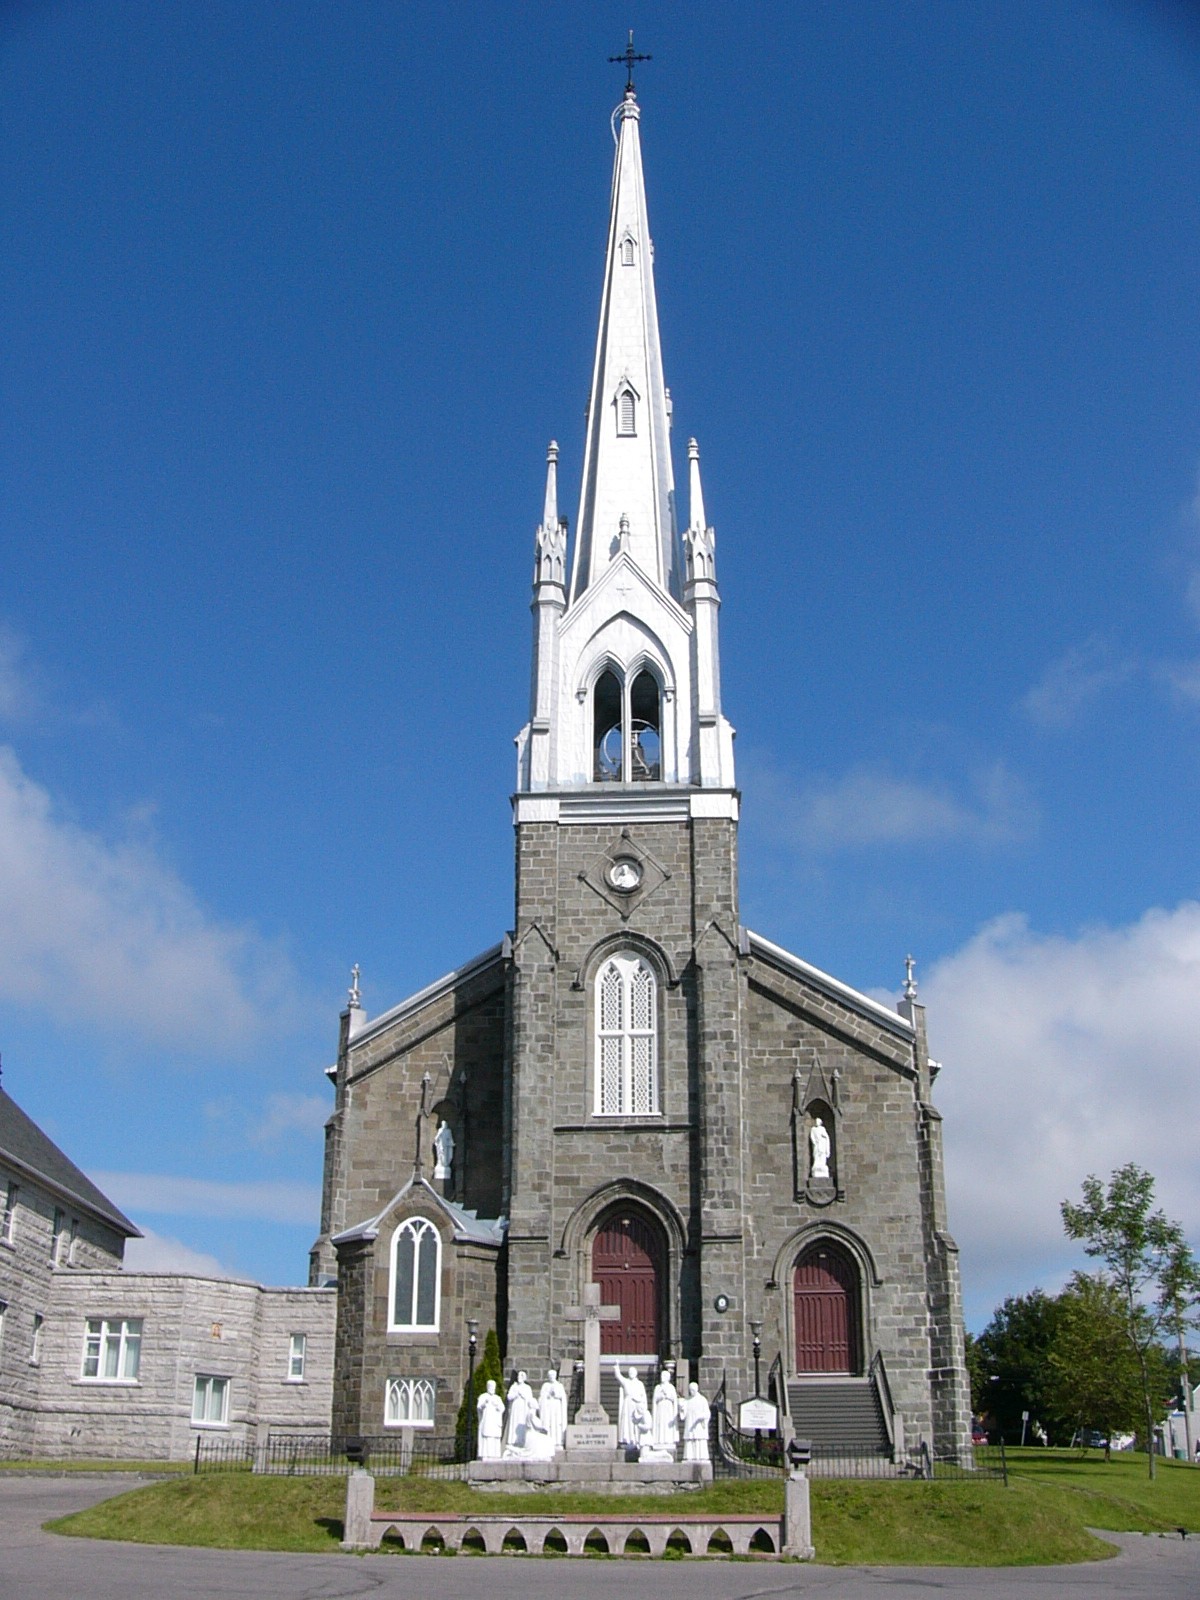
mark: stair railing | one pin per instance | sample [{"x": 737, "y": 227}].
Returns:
[{"x": 878, "y": 1376}]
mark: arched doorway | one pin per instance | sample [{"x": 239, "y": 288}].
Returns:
[
  {"x": 825, "y": 1290},
  {"x": 628, "y": 1252}
]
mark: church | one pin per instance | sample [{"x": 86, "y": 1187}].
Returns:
[{"x": 631, "y": 1088}]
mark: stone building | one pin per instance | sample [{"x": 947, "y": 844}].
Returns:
[
  {"x": 99, "y": 1362},
  {"x": 631, "y": 1088}
]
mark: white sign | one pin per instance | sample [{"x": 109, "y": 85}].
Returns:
[{"x": 756, "y": 1416}]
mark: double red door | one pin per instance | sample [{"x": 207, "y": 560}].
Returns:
[
  {"x": 627, "y": 1264},
  {"x": 826, "y": 1305}
]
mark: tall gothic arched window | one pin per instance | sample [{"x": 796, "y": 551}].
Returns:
[
  {"x": 626, "y": 1038},
  {"x": 415, "y": 1290}
]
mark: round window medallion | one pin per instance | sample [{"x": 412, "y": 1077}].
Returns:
[
  {"x": 624, "y": 874},
  {"x": 721, "y": 1303}
]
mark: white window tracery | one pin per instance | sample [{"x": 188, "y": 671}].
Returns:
[
  {"x": 626, "y": 1038},
  {"x": 414, "y": 1297},
  {"x": 408, "y": 1403}
]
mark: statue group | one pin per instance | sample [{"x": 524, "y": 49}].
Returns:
[{"x": 535, "y": 1429}]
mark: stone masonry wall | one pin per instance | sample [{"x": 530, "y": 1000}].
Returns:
[
  {"x": 190, "y": 1326},
  {"x": 27, "y": 1281}
]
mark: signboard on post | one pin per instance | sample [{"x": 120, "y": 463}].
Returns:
[{"x": 757, "y": 1416}]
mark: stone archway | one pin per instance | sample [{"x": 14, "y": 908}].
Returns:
[
  {"x": 629, "y": 1257},
  {"x": 826, "y": 1300}
]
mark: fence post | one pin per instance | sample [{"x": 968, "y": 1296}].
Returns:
[
  {"x": 196, "y": 1465},
  {"x": 1003, "y": 1461}
]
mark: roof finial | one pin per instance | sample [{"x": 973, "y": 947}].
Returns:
[
  {"x": 623, "y": 533},
  {"x": 355, "y": 992},
  {"x": 910, "y": 982},
  {"x": 629, "y": 57}
]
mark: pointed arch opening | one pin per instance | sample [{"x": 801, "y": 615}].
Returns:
[
  {"x": 826, "y": 1301},
  {"x": 608, "y": 742},
  {"x": 645, "y": 729},
  {"x": 626, "y": 412},
  {"x": 414, "y": 1298},
  {"x": 626, "y": 1037},
  {"x": 629, "y": 1259}
]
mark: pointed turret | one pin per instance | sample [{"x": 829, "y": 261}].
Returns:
[{"x": 627, "y": 458}]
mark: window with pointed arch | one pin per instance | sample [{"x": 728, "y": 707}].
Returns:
[
  {"x": 626, "y": 413},
  {"x": 414, "y": 1299},
  {"x": 626, "y": 1038},
  {"x": 408, "y": 1403}
]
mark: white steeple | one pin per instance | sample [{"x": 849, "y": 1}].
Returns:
[
  {"x": 627, "y": 457},
  {"x": 625, "y": 694}
]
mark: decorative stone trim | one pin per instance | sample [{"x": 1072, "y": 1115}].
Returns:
[{"x": 746, "y": 1536}]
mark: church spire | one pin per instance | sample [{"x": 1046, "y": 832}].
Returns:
[{"x": 627, "y": 456}]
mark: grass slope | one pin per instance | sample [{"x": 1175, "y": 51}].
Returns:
[{"x": 1041, "y": 1517}]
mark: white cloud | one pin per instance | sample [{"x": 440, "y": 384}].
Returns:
[
  {"x": 1064, "y": 1056},
  {"x": 1079, "y": 676},
  {"x": 105, "y": 932},
  {"x": 264, "y": 1200},
  {"x": 872, "y": 806},
  {"x": 157, "y": 1252},
  {"x": 287, "y": 1114}
]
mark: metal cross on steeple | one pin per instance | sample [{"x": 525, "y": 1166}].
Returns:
[
  {"x": 910, "y": 982},
  {"x": 629, "y": 57}
]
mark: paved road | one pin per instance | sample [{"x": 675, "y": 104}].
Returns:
[{"x": 40, "y": 1566}]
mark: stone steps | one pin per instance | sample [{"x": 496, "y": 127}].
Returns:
[{"x": 839, "y": 1414}]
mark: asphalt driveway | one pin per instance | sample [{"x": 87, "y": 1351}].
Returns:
[{"x": 40, "y": 1566}]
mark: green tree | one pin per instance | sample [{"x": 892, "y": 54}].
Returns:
[
  {"x": 1008, "y": 1365},
  {"x": 488, "y": 1366},
  {"x": 1149, "y": 1265},
  {"x": 1094, "y": 1375}
]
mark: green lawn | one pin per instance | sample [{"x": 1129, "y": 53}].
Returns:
[{"x": 1041, "y": 1517}]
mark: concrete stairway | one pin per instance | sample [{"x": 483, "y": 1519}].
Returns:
[{"x": 839, "y": 1414}]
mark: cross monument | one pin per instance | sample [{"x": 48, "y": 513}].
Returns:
[{"x": 591, "y": 1414}]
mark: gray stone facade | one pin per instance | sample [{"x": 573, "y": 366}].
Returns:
[
  {"x": 190, "y": 1327},
  {"x": 742, "y": 1028}
]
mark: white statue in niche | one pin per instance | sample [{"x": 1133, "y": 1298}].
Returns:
[
  {"x": 633, "y": 1399},
  {"x": 443, "y": 1150},
  {"x": 665, "y": 1408},
  {"x": 552, "y": 1408},
  {"x": 521, "y": 1406},
  {"x": 696, "y": 1413},
  {"x": 820, "y": 1145},
  {"x": 491, "y": 1422}
]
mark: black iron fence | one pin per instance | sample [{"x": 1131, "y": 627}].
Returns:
[{"x": 419, "y": 1451}]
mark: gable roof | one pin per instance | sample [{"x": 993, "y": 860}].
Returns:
[
  {"x": 469, "y": 1228},
  {"x": 853, "y": 999},
  {"x": 430, "y": 993},
  {"x": 25, "y": 1148}
]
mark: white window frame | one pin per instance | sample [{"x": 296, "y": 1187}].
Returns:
[
  {"x": 626, "y": 1042},
  {"x": 627, "y": 404},
  {"x": 115, "y": 1342},
  {"x": 297, "y": 1353},
  {"x": 409, "y": 1403},
  {"x": 8, "y": 1228},
  {"x": 209, "y": 1385},
  {"x": 420, "y": 1228}
]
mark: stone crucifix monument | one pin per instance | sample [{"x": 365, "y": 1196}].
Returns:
[{"x": 592, "y": 1433}]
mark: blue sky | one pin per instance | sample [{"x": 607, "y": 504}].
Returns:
[{"x": 295, "y": 297}]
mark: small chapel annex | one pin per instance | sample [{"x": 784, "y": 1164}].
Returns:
[{"x": 631, "y": 1088}]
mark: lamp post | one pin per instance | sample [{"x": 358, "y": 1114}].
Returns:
[
  {"x": 756, "y": 1334},
  {"x": 472, "y": 1342}
]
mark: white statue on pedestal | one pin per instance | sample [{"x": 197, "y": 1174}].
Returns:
[
  {"x": 696, "y": 1413},
  {"x": 491, "y": 1423},
  {"x": 633, "y": 1396},
  {"x": 665, "y": 1413},
  {"x": 521, "y": 1406},
  {"x": 443, "y": 1150},
  {"x": 552, "y": 1408},
  {"x": 818, "y": 1138}
]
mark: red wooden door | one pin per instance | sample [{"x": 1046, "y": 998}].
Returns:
[
  {"x": 627, "y": 1264},
  {"x": 826, "y": 1298}
]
